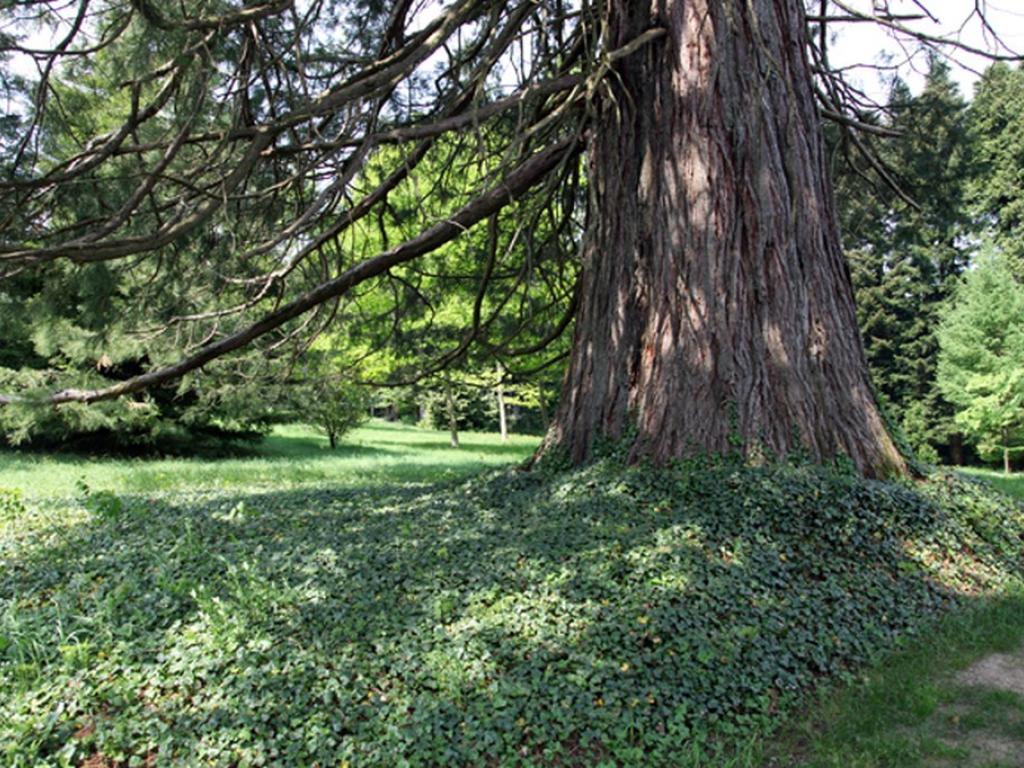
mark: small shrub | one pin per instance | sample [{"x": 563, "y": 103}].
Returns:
[{"x": 335, "y": 407}]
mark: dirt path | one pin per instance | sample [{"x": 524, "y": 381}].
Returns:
[
  {"x": 999, "y": 671},
  {"x": 983, "y": 725}
]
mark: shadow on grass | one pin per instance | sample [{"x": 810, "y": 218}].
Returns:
[
  {"x": 273, "y": 448},
  {"x": 601, "y": 614}
]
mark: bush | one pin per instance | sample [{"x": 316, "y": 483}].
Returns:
[
  {"x": 335, "y": 407},
  {"x": 205, "y": 410},
  {"x": 12, "y": 504}
]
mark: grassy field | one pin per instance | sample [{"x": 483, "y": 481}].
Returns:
[
  {"x": 1012, "y": 485},
  {"x": 398, "y": 602},
  {"x": 380, "y": 452}
]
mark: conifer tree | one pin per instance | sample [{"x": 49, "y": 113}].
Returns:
[
  {"x": 230, "y": 168},
  {"x": 981, "y": 364},
  {"x": 997, "y": 132},
  {"x": 906, "y": 251}
]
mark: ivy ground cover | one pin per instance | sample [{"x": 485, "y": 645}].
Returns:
[{"x": 580, "y": 617}]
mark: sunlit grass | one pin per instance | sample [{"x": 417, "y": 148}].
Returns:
[
  {"x": 291, "y": 456},
  {"x": 1012, "y": 484}
]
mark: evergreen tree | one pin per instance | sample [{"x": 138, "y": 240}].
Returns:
[
  {"x": 981, "y": 365},
  {"x": 76, "y": 325},
  {"x": 232, "y": 159},
  {"x": 997, "y": 132},
  {"x": 904, "y": 258}
]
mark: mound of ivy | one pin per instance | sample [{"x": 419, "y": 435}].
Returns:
[{"x": 585, "y": 617}]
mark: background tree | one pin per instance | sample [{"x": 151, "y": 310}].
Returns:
[
  {"x": 997, "y": 131},
  {"x": 981, "y": 365},
  {"x": 906, "y": 245},
  {"x": 324, "y": 391},
  {"x": 74, "y": 324},
  {"x": 335, "y": 406}
]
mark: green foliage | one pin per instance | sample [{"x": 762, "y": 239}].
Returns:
[
  {"x": 961, "y": 165},
  {"x": 494, "y": 294},
  {"x": 981, "y": 366},
  {"x": 588, "y": 616},
  {"x": 997, "y": 132},
  {"x": 336, "y": 407},
  {"x": 222, "y": 402},
  {"x": 904, "y": 258},
  {"x": 471, "y": 397},
  {"x": 326, "y": 394},
  {"x": 83, "y": 326},
  {"x": 104, "y": 505},
  {"x": 12, "y": 504},
  {"x": 909, "y": 710}
]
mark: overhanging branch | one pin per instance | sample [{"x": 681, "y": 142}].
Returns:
[{"x": 514, "y": 184}]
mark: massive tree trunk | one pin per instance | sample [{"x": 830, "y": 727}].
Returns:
[{"x": 716, "y": 311}]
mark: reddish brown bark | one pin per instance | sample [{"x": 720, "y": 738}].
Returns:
[{"x": 716, "y": 307}]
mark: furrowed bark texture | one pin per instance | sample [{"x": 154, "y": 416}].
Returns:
[{"x": 716, "y": 306}]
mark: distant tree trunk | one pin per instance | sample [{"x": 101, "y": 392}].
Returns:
[
  {"x": 956, "y": 450},
  {"x": 1006, "y": 451},
  {"x": 502, "y": 417},
  {"x": 542, "y": 404},
  {"x": 716, "y": 309},
  {"x": 332, "y": 438},
  {"x": 453, "y": 419}
]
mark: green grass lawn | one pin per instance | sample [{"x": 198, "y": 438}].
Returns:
[
  {"x": 379, "y": 452},
  {"x": 1012, "y": 485},
  {"x": 396, "y": 602}
]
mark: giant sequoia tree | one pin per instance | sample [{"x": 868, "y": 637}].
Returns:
[
  {"x": 716, "y": 301},
  {"x": 234, "y": 165}
]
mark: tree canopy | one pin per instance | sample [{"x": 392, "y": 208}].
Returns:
[{"x": 981, "y": 364}]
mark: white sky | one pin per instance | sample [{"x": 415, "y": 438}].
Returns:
[
  {"x": 867, "y": 43},
  {"x": 860, "y": 43}
]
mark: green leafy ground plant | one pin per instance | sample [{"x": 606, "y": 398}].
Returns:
[
  {"x": 912, "y": 710},
  {"x": 596, "y": 616}
]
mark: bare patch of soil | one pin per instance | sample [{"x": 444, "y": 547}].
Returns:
[
  {"x": 1000, "y": 671},
  {"x": 995, "y": 742}
]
